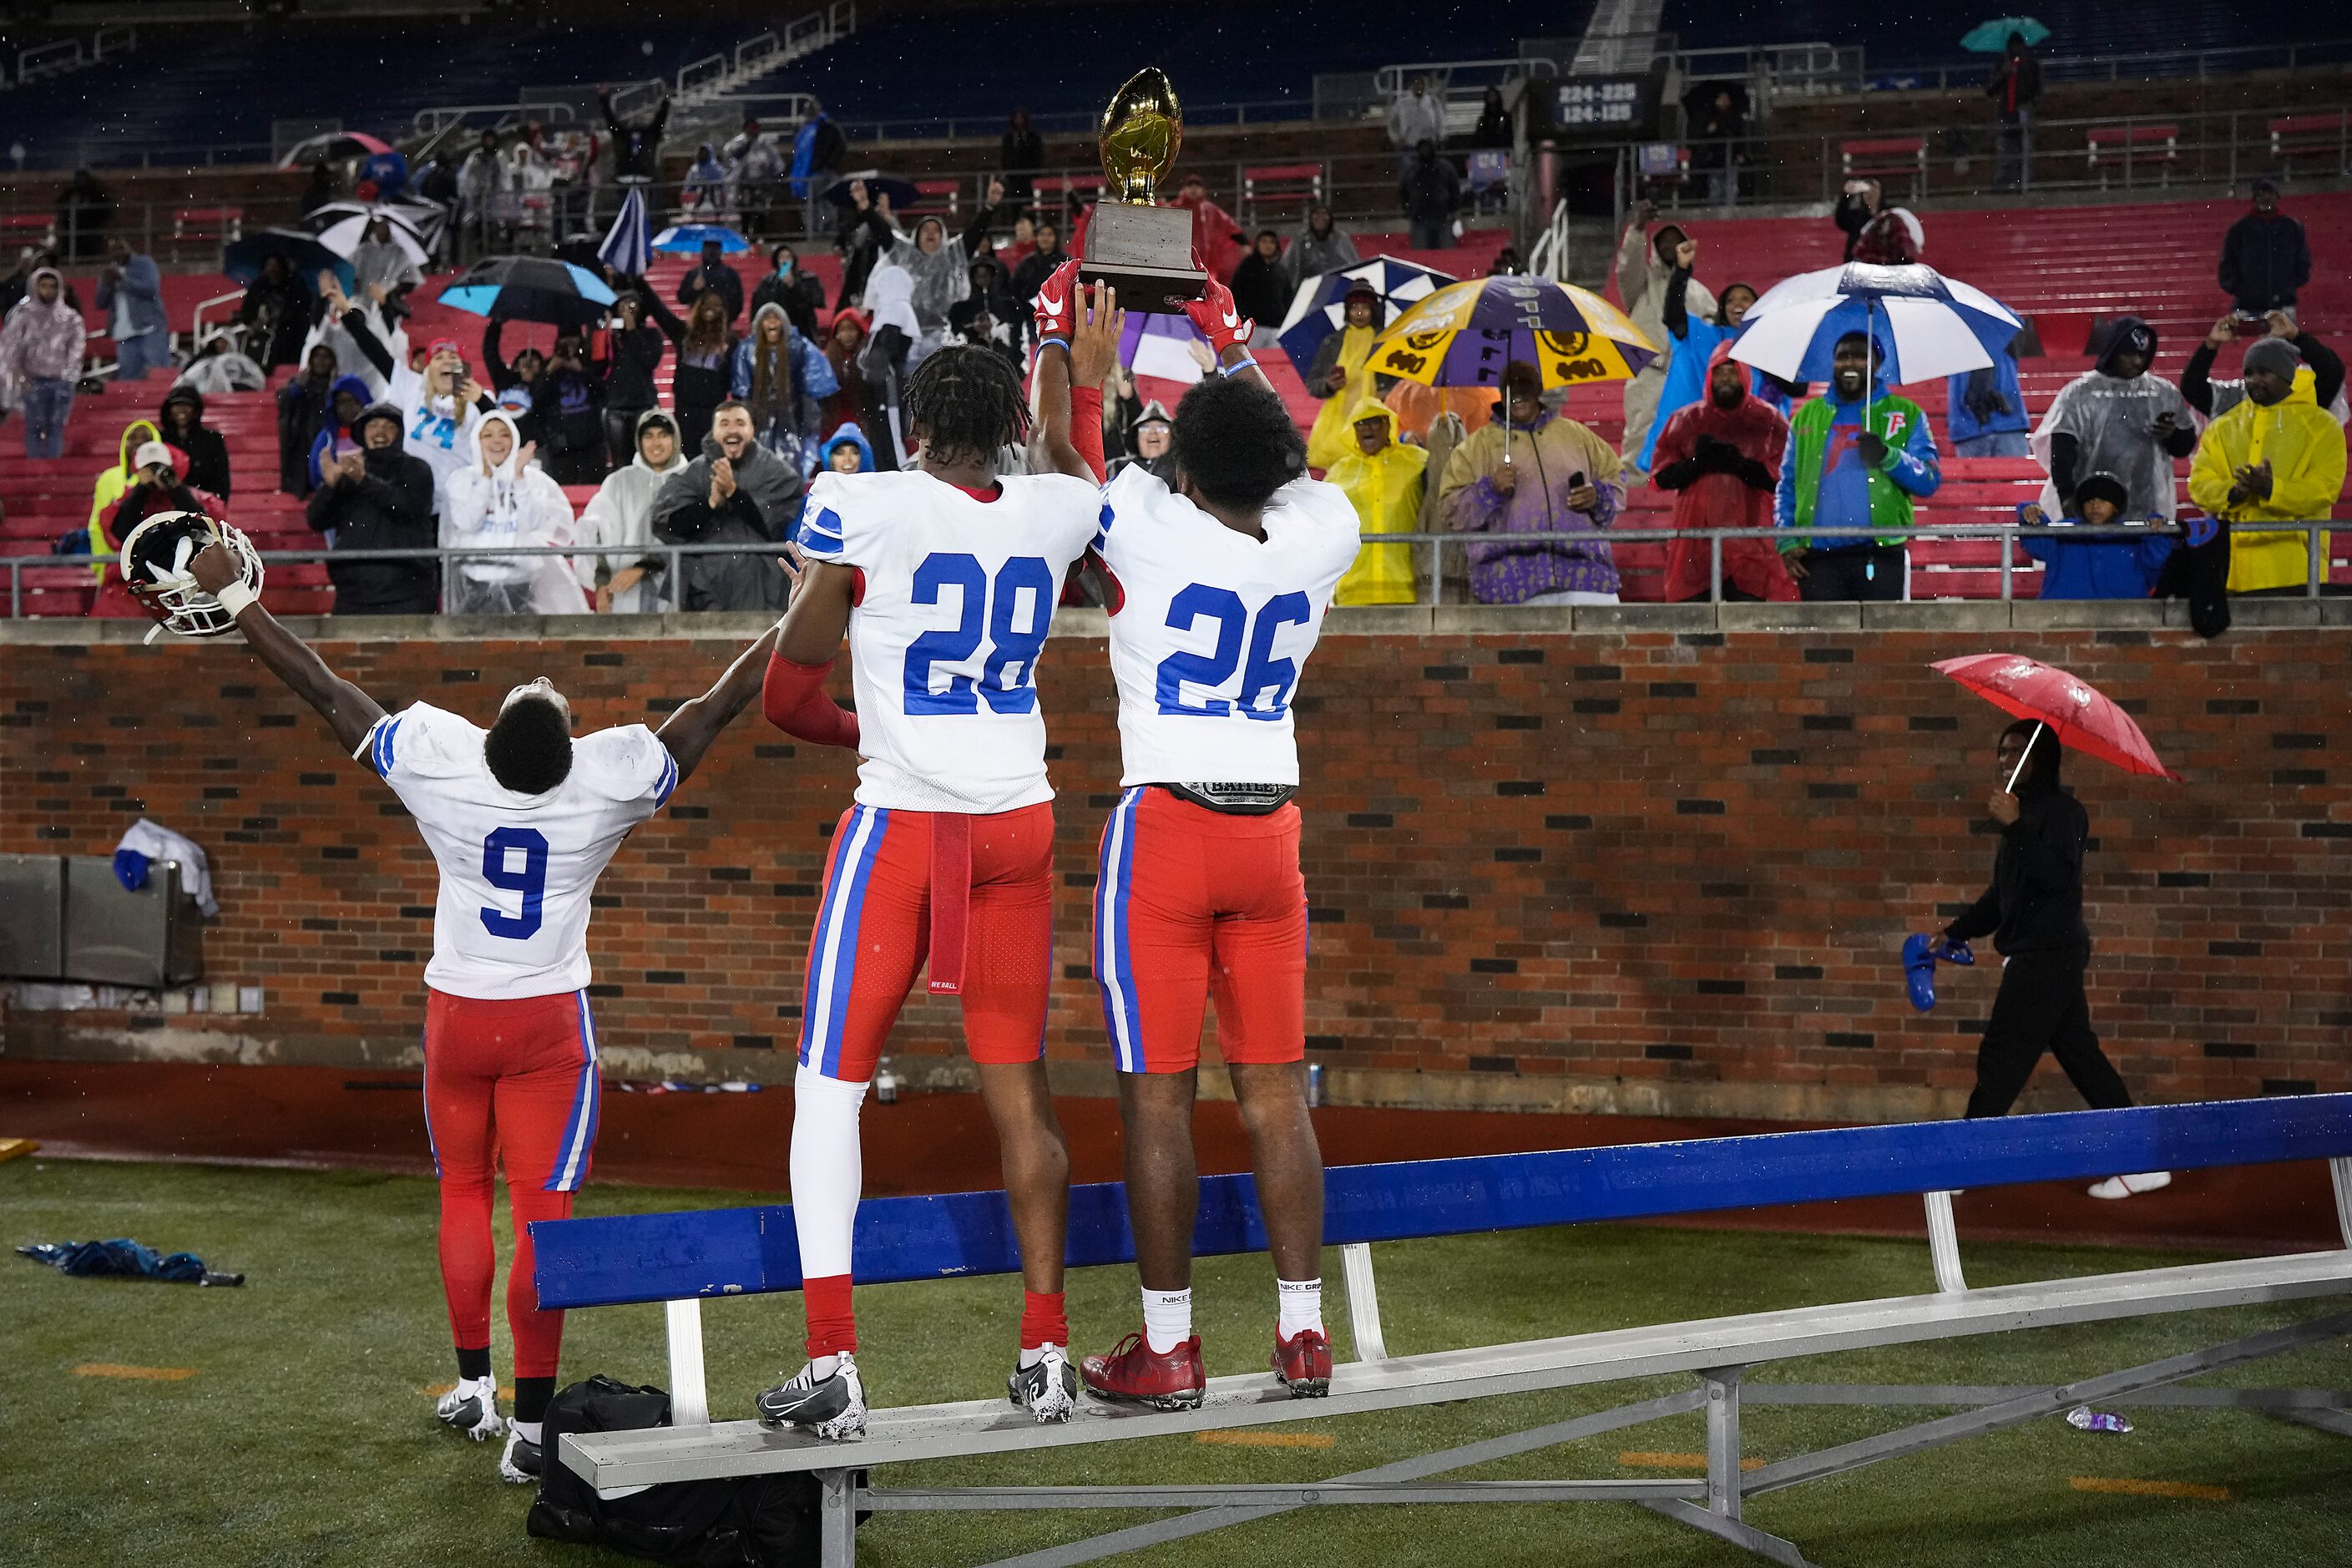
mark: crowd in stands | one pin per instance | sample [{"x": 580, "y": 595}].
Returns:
[{"x": 397, "y": 442}]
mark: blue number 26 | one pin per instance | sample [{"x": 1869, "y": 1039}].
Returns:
[
  {"x": 1266, "y": 681},
  {"x": 990, "y": 613},
  {"x": 530, "y": 881}
]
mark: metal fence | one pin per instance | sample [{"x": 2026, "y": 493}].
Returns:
[{"x": 1434, "y": 569}]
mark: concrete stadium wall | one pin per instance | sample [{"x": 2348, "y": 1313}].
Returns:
[{"x": 1654, "y": 860}]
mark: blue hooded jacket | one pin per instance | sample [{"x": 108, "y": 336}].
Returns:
[
  {"x": 1962, "y": 424},
  {"x": 2097, "y": 568},
  {"x": 334, "y": 437}
]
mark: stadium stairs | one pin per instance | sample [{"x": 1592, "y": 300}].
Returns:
[{"x": 2066, "y": 267}]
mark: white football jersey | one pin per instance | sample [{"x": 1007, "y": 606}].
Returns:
[
  {"x": 516, "y": 869},
  {"x": 1214, "y": 627},
  {"x": 944, "y": 645}
]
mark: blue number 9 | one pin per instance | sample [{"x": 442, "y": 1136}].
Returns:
[{"x": 530, "y": 881}]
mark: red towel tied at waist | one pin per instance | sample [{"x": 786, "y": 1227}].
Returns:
[{"x": 951, "y": 899}]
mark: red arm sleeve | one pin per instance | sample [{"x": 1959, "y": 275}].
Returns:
[
  {"x": 1085, "y": 426},
  {"x": 792, "y": 697}
]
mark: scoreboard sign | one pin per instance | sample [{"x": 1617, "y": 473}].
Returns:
[{"x": 1619, "y": 107}]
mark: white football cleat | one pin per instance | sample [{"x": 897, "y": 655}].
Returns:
[
  {"x": 2129, "y": 1186},
  {"x": 521, "y": 1462},
  {"x": 1047, "y": 1387},
  {"x": 472, "y": 1407}
]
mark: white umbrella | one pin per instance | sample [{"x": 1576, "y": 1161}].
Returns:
[
  {"x": 1923, "y": 324},
  {"x": 340, "y": 226}
]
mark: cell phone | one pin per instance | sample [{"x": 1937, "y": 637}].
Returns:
[{"x": 1576, "y": 480}]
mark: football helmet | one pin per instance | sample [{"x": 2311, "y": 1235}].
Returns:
[{"x": 154, "y": 567}]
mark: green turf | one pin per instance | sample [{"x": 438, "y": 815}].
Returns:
[{"x": 305, "y": 1436}]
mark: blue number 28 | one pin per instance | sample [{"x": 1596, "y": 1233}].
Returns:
[
  {"x": 530, "y": 881},
  {"x": 1266, "y": 681},
  {"x": 1014, "y": 632}
]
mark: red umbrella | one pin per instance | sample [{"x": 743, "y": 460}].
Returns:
[{"x": 2072, "y": 709}]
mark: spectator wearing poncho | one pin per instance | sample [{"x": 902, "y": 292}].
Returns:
[
  {"x": 1385, "y": 479},
  {"x": 499, "y": 497},
  {"x": 1321, "y": 246},
  {"x": 2278, "y": 456},
  {"x": 1645, "y": 265},
  {"x": 617, "y": 521},
  {"x": 1535, "y": 472},
  {"x": 1721, "y": 456},
  {"x": 780, "y": 376},
  {"x": 1338, "y": 377},
  {"x": 2118, "y": 419},
  {"x": 40, "y": 356}
]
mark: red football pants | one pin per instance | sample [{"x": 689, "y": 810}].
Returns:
[
  {"x": 874, "y": 931},
  {"x": 512, "y": 1079},
  {"x": 1194, "y": 903}
]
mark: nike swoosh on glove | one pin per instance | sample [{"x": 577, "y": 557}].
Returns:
[
  {"x": 1217, "y": 317},
  {"x": 1057, "y": 302}
]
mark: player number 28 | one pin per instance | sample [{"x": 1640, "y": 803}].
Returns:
[
  {"x": 1266, "y": 681},
  {"x": 530, "y": 880},
  {"x": 990, "y": 611}
]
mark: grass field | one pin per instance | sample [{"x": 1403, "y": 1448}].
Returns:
[{"x": 303, "y": 1433}]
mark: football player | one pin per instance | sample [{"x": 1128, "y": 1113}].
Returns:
[
  {"x": 944, "y": 578},
  {"x": 521, "y": 818},
  {"x": 1216, "y": 586}
]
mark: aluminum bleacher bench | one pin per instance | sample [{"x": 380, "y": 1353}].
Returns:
[
  {"x": 683, "y": 1258},
  {"x": 1882, "y": 157},
  {"x": 2132, "y": 147},
  {"x": 2325, "y": 136}
]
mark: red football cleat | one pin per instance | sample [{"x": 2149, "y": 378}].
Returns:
[
  {"x": 1135, "y": 1373},
  {"x": 1303, "y": 1364}
]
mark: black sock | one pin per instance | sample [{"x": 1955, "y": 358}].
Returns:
[
  {"x": 474, "y": 1366},
  {"x": 531, "y": 1394}
]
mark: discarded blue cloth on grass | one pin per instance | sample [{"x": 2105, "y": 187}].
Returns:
[{"x": 125, "y": 1258}]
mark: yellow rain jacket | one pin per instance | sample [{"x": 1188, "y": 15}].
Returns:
[
  {"x": 2305, "y": 447},
  {"x": 1386, "y": 489},
  {"x": 1330, "y": 439},
  {"x": 111, "y": 482}
]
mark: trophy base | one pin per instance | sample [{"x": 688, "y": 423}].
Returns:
[{"x": 1150, "y": 290}]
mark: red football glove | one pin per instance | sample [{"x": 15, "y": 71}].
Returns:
[
  {"x": 1215, "y": 315},
  {"x": 1058, "y": 303}
]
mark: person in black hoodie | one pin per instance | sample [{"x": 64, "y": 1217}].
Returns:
[
  {"x": 637, "y": 140},
  {"x": 379, "y": 497},
  {"x": 1261, "y": 287},
  {"x": 302, "y": 410},
  {"x": 527, "y": 370},
  {"x": 571, "y": 409},
  {"x": 2033, "y": 913},
  {"x": 632, "y": 352},
  {"x": 182, "y": 421}
]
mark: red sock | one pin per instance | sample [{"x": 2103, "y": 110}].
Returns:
[
  {"x": 1043, "y": 1320},
  {"x": 832, "y": 1326}
]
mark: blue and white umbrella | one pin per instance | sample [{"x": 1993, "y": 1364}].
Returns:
[
  {"x": 628, "y": 246},
  {"x": 529, "y": 289},
  {"x": 1319, "y": 308},
  {"x": 1921, "y": 325},
  {"x": 693, "y": 237}
]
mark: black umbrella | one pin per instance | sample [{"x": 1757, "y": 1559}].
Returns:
[
  {"x": 529, "y": 289},
  {"x": 305, "y": 257},
  {"x": 902, "y": 192}
]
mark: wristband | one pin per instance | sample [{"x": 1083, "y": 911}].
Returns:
[
  {"x": 236, "y": 599},
  {"x": 1247, "y": 361},
  {"x": 1053, "y": 341}
]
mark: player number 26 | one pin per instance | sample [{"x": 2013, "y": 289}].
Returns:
[
  {"x": 1024, "y": 593},
  {"x": 1266, "y": 681},
  {"x": 529, "y": 880}
]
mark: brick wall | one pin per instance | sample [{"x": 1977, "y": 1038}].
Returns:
[{"x": 1651, "y": 869}]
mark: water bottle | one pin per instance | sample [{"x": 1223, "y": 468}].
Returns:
[
  {"x": 2082, "y": 1418},
  {"x": 885, "y": 1083},
  {"x": 1314, "y": 1083}
]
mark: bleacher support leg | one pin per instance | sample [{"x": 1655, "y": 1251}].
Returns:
[
  {"x": 690, "y": 1401},
  {"x": 1364, "y": 1301},
  {"x": 1944, "y": 1243},
  {"x": 837, "y": 1515},
  {"x": 1723, "y": 1441}
]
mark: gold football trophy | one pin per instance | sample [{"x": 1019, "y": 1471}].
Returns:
[{"x": 1138, "y": 248}]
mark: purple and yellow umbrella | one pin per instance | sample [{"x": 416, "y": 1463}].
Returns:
[{"x": 1465, "y": 333}]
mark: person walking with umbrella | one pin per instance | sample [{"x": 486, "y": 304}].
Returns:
[
  {"x": 2015, "y": 86},
  {"x": 2033, "y": 909}
]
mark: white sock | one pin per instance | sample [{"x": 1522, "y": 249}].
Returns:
[
  {"x": 1301, "y": 1301},
  {"x": 1167, "y": 1319},
  {"x": 827, "y": 1170},
  {"x": 530, "y": 1430},
  {"x": 824, "y": 1366},
  {"x": 1030, "y": 1358}
]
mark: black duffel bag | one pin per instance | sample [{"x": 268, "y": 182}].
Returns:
[{"x": 745, "y": 1522}]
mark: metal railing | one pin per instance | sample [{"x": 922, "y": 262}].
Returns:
[
  {"x": 2319, "y": 553},
  {"x": 114, "y": 40},
  {"x": 48, "y": 59}
]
